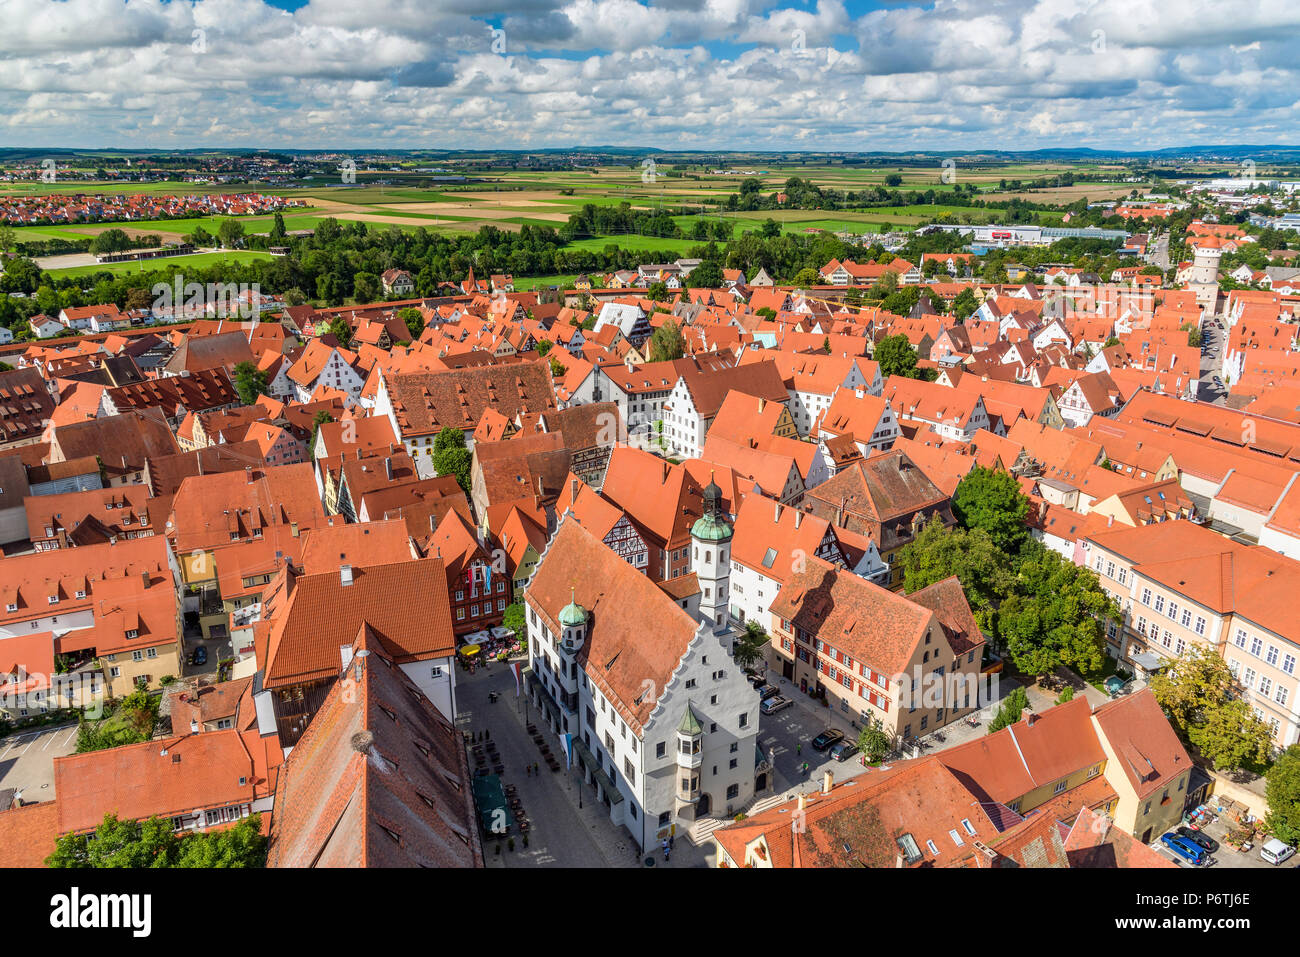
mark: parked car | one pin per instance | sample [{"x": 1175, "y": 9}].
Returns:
[
  {"x": 843, "y": 750},
  {"x": 767, "y": 691},
  {"x": 826, "y": 739},
  {"x": 200, "y": 657},
  {"x": 1275, "y": 852},
  {"x": 773, "y": 705},
  {"x": 1199, "y": 839},
  {"x": 1184, "y": 848}
]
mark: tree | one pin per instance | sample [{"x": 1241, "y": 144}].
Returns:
[
  {"x": 231, "y": 233},
  {"x": 514, "y": 619},
  {"x": 1056, "y": 614},
  {"x": 667, "y": 342},
  {"x": 893, "y": 181},
  {"x": 992, "y": 500},
  {"x": 874, "y": 743},
  {"x": 1008, "y": 713},
  {"x": 750, "y": 645},
  {"x": 243, "y": 845},
  {"x": 153, "y": 843},
  {"x": 278, "y": 234},
  {"x": 1282, "y": 788},
  {"x": 1198, "y": 692},
  {"x": 557, "y": 368},
  {"x": 707, "y": 275},
  {"x": 414, "y": 320},
  {"x": 657, "y": 292},
  {"x": 963, "y": 304},
  {"x": 365, "y": 287},
  {"x": 250, "y": 382},
  {"x": 808, "y": 276},
  {"x": 320, "y": 419},
  {"x": 1067, "y": 694},
  {"x": 340, "y": 330},
  {"x": 110, "y": 241},
  {"x": 936, "y": 553},
  {"x": 450, "y": 457},
  {"x": 544, "y": 347},
  {"x": 895, "y": 356}
]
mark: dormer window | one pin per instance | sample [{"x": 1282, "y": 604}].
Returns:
[
  {"x": 54, "y": 599},
  {"x": 81, "y": 594},
  {"x": 12, "y": 606},
  {"x": 132, "y": 633}
]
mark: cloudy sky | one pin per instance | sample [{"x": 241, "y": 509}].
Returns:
[{"x": 526, "y": 74}]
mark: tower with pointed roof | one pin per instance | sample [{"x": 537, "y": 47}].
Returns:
[{"x": 711, "y": 558}]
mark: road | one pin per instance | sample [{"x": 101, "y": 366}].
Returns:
[{"x": 1213, "y": 340}]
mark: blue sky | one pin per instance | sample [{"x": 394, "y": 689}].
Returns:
[{"x": 692, "y": 74}]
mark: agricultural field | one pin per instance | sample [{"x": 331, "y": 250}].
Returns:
[{"x": 510, "y": 199}]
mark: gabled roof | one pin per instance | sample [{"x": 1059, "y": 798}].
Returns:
[{"x": 379, "y": 779}]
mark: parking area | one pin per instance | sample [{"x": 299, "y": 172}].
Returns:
[
  {"x": 1227, "y": 856},
  {"x": 27, "y": 760}
]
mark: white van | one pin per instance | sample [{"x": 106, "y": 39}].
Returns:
[{"x": 1275, "y": 852}]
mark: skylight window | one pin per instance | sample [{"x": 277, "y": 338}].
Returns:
[{"x": 769, "y": 557}]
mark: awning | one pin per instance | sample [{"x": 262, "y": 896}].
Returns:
[
  {"x": 470, "y": 650},
  {"x": 591, "y": 764},
  {"x": 490, "y": 799},
  {"x": 1147, "y": 661}
]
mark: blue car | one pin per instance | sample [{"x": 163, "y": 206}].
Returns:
[{"x": 1184, "y": 848}]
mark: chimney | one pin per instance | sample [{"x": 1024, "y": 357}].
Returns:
[
  {"x": 248, "y": 474},
  {"x": 776, "y": 511},
  {"x": 1030, "y": 719},
  {"x": 360, "y": 664},
  {"x": 1110, "y": 520},
  {"x": 388, "y": 467},
  {"x": 345, "y": 575},
  {"x": 762, "y": 404},
  {"x": 798, "y": 517},
  {"x": 573, "y": 490},
  {"x": 803, "y": 801},
  {"x": 828, "y": 781}
]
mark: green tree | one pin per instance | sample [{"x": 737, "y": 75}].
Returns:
[
  {"x": 544, "y": 346},
  {"x": 320, "y": 419},
  {"x": 808, "y": 276},
  {"x": 414, "y": 320},
  {"x": 450, "y": 457},
  {"x": 963, "y": 304},
  {"x": 874, "y": 743},
  {"x": 153, "y": 843},
  {"x": 991, "y": 500},
  {"x": 1200, "y": 695},
  {"x": 658, "y": 292},
  {"x": 278, "y": 234},
  {"x": 1056, "y": 614},
  {"x": 243, "y": 845},
  {"x": 750, "y": 645},
  {"x": 1008, "y": 713},
  {"x": 250, "y": 382},
  {"x": 667, "y": 342},
  {"x": 1282, "y": 788},
  {"x": 1067, "y": 694},
  {"x": 936, "y": 553},
  {"x": 231, "y": 233},
  {"x": 895, "y": 356},
  {"x": 707, "y": 275},
  {"x": 365, "y": 287},
  {"x": 110, "y": 241},
  {"x": 893, "y": 181},
  {"x": 341, "y": 330},
  {"x": 117, "y": 843},
  {"x": 514, "y": 619}
]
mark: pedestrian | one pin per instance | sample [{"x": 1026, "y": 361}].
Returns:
[
  {"x": 798, "y": 749},
  {"x": 671, "y": 838}
]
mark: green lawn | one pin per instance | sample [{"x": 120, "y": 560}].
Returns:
[{"x": 152, "y": 265}]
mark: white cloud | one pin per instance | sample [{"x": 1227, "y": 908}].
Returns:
[{"x": 665, "y": 73}]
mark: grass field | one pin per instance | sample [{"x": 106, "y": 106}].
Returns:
[{"x": 152, "y": 265}]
